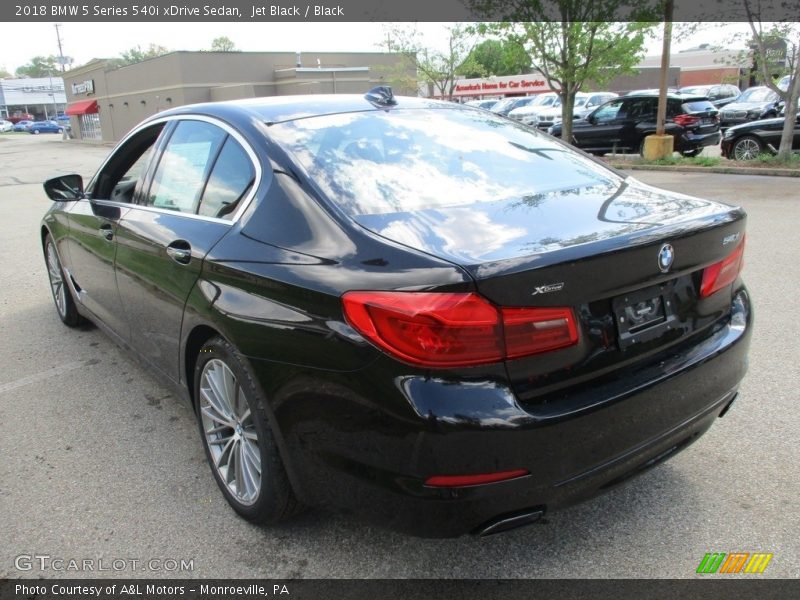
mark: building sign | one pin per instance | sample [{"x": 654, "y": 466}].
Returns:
[
  {"x": 38, "y": 89},
  {"x": 513, "y": 84},
  {"x": 87, "y": 87}
]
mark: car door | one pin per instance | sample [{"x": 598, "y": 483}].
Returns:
[
  {"x": 202, "y": 176},
  {"x": 602, "y": 128},
  {"x": 93, "y": 225}
]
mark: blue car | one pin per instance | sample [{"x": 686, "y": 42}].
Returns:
[
  {"x": 45, "y": 127},
  {"x": 22, "y": 125}
]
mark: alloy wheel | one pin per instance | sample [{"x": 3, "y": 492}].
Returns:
[
  {"x": 230, "y": 431},
  {"x": 56, "y": 280},
  {"x": 746, "y": 149}
]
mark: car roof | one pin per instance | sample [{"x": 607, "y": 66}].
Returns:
[
  {"x": 671, "y": 96},
  {"x": 278, "y": 109}
]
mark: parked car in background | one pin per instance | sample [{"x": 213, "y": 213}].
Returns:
[
  {"x": 783, "y": 83},
  {"x": 22, "y": 125},
  {"x": 548, "y": 115},
  {"x": 6, "y": 126},
  {"x": 718, "y": 94},
  {"x": 651, "y": 92},
  {"x": 754, "y": 104},
  {"x": 484, "y": 104},
  {"x": 622, "y": 124},
  {"x": 44, "y": 127},
  {"x": 527, "y": 114},
  {"x": 594, "y": 100},
  {"x": 748, "y": 140},
  {"x": 412, "y": 310},
  {"x": 584, "y": 104},
  {"x": 62, "y": 119},
  {"x": 505, "y": 106},
  {"x": 17, "y": 117}
]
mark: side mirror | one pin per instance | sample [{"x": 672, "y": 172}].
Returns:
[
  {"x": 591, "y": 119},
  {"x": 65, "y": 188}
]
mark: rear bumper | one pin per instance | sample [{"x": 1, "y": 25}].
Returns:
[
  {"x": 363, "y": 454},
  {"x": 701, "y": 140}
]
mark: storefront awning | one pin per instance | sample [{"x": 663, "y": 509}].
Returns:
[{"x": 83, "y": 107}]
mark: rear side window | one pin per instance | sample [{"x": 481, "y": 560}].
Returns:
[
  {"x": 230, "y": 180},
  {"x": 184, "y": 165}
]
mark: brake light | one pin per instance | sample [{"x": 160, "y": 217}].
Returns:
[
  {"x": 686, "y": 120},
  {"x": 456, "y": 329},
  {"x": 723, "y": 273}
]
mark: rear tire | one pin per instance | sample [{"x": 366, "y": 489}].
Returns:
[
  {"x": 62, "y": 295},
  {"x": 747, "y": 148},
  {"x": 237, "y": 436},
  {"x": 35, "y": 132}
]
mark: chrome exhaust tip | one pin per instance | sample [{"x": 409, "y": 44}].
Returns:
[{"x": 509, "y": 521}]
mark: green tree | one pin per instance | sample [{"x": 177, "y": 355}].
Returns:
[
  {"x": 583, "y": 44},
  {"x": 39, "y": 66},
  {"x": 764, "y": 34},
  {"x": 439, "y": 69},
  {"x": 223, "y": 44},
  {"x": 137, "y": 54},
  {"x": 497, "y": 57}
]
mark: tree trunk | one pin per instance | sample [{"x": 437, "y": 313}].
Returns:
[
  {"x": 790, "y": 110},
  {"x": 567, "y": 110}
]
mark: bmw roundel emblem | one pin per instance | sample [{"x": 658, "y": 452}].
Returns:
[{"x": 665, "y": 257}]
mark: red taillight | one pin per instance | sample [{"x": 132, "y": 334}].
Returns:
[
  {"x": 723, "y": 273},
  {"x": 456, "y": 329},
  {"x": 480, "y": 479},
  {"x": 686, "y": 120}
]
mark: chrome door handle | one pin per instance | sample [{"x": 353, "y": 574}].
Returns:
[{"x": 179, "y": 255}]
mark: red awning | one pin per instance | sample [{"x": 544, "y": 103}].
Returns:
[{"x": 83, "y": 107}]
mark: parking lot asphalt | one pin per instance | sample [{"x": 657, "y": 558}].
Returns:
[{"x": 100, "y": 462}]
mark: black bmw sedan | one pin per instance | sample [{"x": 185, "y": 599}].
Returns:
[
  {"x": 749, "y": 140},
  {"x": 421, "y": 312}
]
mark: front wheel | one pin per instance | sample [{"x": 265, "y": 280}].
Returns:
[
  {"x": 237, "y": 437},
  {"x": 35, "y": 132},
  {"x": 747, "y": 148},
  {"x": 62, "y": 296}
]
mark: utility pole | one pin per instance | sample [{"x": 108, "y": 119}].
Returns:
[{"x": 61, "y": 60}]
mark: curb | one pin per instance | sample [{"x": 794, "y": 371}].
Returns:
[{"x": 722, "y": 170}]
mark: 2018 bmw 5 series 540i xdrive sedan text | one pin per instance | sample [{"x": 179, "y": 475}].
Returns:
[{"x": 421, "y": 312}]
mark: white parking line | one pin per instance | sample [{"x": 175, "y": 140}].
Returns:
[{"x": 42, "y": 375}]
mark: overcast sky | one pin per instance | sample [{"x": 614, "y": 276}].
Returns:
[{"x": 84, "y": 41}]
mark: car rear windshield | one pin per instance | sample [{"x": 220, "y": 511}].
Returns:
[
  {"x": 380, "y": 162},
  {"x": 698, "y": 106}
]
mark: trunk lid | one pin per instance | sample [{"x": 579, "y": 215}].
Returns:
[{"x": 585, "y": 244}]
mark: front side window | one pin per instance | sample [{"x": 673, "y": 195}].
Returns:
[
  {"x": 184, "y": 166},
  {"x": 126, "y": 168},
  {"x": 608, "y": 112}
]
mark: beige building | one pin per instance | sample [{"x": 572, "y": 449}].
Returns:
[{"x": 104, "y": 102}]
